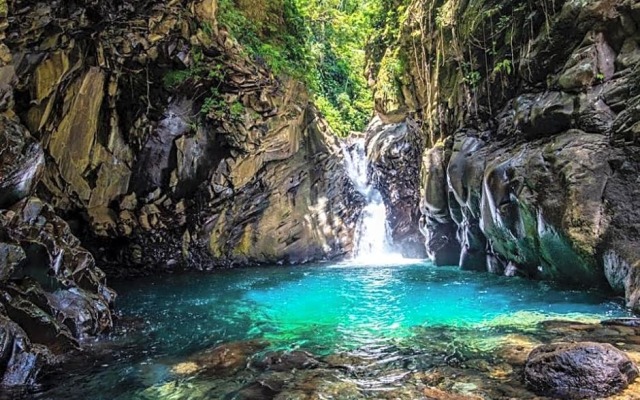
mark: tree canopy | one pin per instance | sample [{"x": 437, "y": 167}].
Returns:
[{"x": 321, "y": 42}]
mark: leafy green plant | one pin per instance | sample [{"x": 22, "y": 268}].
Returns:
[
  {"x": 198, "y": 69},
  {"x": 319, "y": 42},
  {"x": 217, "y": 107},
  {"x": 214, "y": 105},
  {"x": 207, "y": 28},
  {"x": 503, "y": 23},
  {"x": 473, "y": 78},
  {"x": 237, "y": 110},
  {"x": 505, "y": 67},
  {"x": 217, "y": 72},
  {"x": 275, "y": 58},
  {"x": 175, "y": 78}
]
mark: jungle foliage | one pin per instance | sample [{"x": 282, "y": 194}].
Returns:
[{"x": 320, "y": 42}]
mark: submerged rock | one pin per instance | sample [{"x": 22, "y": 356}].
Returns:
[
  {"x": 630, "y": 322},
  {"x": 578, "y": 370},
  {"x": 287, "y": 361},
  {"x": 437, "y": 394},
  {"x": 224, "y": 360}
]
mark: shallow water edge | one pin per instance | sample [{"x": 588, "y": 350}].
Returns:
[{"x": 338, "y": 331}]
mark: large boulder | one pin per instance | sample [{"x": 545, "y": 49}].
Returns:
[
  {"x": 394, "y": 158},
  {"x": 578, "y": 370},
  {"x": 542, "y": 206}
]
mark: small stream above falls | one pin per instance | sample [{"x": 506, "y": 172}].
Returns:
[{"x": 373, "y": 242}]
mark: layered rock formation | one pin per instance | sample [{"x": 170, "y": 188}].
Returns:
[
  {"x": 52, "y": 295},
  {"x": 167, "y": 146},
  {"x": 393, "y": 153},
  {"x": 163, "y": 146},
  {"x": 530, "y": 114}
]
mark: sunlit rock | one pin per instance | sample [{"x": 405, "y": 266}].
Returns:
[{"x": 186, "y": 368}]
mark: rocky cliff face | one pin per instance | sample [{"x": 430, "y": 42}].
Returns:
[
  {"x": 531, "y": 122},
  {"x": 144, "y": 129},
  {"x": 166, "y": 146},
  {"x": 393, "y": 153}
]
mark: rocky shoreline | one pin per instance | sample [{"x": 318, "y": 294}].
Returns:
[
  {"x": 499, "y": 363},
  {"x": 98, "y": 142},
  {"x": 530, "y": 163}
]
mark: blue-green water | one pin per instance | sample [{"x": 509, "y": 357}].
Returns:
[{"x": 322, "y": 309}]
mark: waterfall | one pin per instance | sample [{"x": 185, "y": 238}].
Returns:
[{"x": 371, "y": 236}]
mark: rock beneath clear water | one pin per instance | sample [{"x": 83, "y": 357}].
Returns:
[
  {"x": 437, "y": 394},
  {"x": 578, "y": 370},
  {"x": 630, "y": 322},
  {"x": 287, "y": 361},
  {"x": 319, "y": 384},
  {"x": 223, "y": 360},
  {"x": 254, "y": 391},
  {"x": 266, "y": 387}
]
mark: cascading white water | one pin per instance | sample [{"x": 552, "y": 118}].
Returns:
[{"x": 371, "y": 237}]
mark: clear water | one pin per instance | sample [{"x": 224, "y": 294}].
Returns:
[{"x": 322, "y": 309}]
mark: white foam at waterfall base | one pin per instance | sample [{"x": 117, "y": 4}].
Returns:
[{"x": 373, "y": 244}]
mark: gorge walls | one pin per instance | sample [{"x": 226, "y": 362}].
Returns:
[
  {"x": 530, "y": 115},
  {"x": 144, "y": 128},
  {"x": 166, "y": 145}
]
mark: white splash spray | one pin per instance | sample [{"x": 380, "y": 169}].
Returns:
[{"x": 371, "y": 236}]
